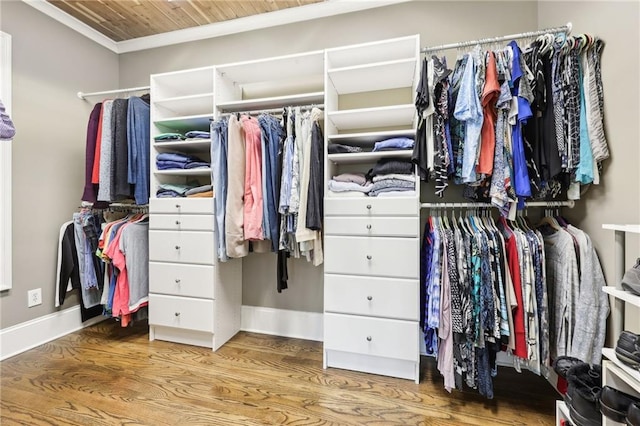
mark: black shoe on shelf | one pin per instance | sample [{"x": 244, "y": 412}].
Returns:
[
  {"x": 615, "y": 404},
  {"x": 633, "y": 415},
  {"x": 585, "y": 386},
  {"x": 628, "y": 349},
  {"x": 631, "y": 279}
]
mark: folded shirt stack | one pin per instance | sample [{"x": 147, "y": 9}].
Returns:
[
  {"x": 204, "y": 191},
  {"x": 336, "y": 148},
  {"x": 197, "y": 134},
  {"x": 166, "y": 137},
  {"x": 171, "y": 190},
  {"x": 176, "y": 160},
  {"x": 392, "y": 176},
  {"x": 393, "y": 144},
  {"x": 355, "y": 183}
]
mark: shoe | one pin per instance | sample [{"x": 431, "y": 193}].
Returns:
[
  {"x": 628, "y": 349},
  {"x": 585, "y": 386},
  {"x": 631, "y": 279},
  {"x": 562, "y": 364},
  {"x": 615, "y": 404},
  {"x": 633, "y": 415}
]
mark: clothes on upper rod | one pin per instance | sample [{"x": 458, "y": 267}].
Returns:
[
  {"x": 267, "y": 175},
  {"x": 513, "y": 124},
  {"x": 117, "y": 151},
  {"x": 488, "y": 287}
]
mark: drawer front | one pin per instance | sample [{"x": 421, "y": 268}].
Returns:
[
  {"x": 373, "y": 226},
  {"x": 385, "y": 257},
  {"x": 181, "y": 247},
  {"x": 177, "y": 222},
  {"x": 371, "y": 206},
  {"x": 181, "y": 280},
  {"x": 181, "y": 205},
  {"x": 181, "y": 312},
  {"x": 372, "y": 336},
  {"x": 372, "y": 296}
]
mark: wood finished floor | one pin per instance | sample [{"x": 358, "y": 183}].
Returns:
[{"x": 106, "y": 375}]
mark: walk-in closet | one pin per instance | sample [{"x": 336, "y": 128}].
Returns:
[{"x": 319, "y": 212}]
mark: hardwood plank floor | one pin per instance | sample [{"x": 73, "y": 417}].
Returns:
[{"x": 106, "y": 375}]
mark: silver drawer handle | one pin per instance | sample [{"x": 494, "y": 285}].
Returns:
[
  {"x": 368, "y": 338},
  {"x": 369, "y": 226},
  {"x": 177, "y": 222},
  {"x": 369, "y": 298},
  {"x": 368, "y": 206},
  {"x": 177, "y": 314},
  {"x": 177, "y": 206},
  {"x": 368, "y": 257},
  {"x": 177, "y": 280},
  {"x": 177, "y": 247}
]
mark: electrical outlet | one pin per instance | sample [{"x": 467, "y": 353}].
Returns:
[{"x": 35, "y": 297}]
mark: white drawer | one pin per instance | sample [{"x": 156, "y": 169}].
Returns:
[
  {"x": 181, "y": 205},
  {"x": 184, "y": 222},
  {"x": 181, "y": 247},
  {"x": 386, "y": 257},
  {"x": 181, "y": 280},
  {"x": 373, "y": 226},
  {"x": 372, "y": 296},
  {"x": 181, "y": 312},
  {"x": 371, "y": 206},
  {"x": 372, "y": 336}
]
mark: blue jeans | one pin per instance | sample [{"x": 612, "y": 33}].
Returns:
[
  {"x": 271, "y": 134},
  {"x": 219, "y": 181}
]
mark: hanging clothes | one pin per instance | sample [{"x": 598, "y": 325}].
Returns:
[{"x": 523, "y": 122}]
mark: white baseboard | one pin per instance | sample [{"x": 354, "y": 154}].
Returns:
[
  {"x": 27, "y": 335},
  {"x": 282, "y": 322}
]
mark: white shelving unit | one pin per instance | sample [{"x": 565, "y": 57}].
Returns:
[
  {"x": 270, "y": 83},
  {"x": 371, "y": 290},
  {"x": 614, "y": 372},
  {"x": 192, "y": 299}
]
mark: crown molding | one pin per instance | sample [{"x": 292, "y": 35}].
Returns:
[
  {"x": 249, "y": 23},
  {"x": 73, "y": 23}
]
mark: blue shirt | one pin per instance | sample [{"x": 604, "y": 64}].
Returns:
[{"x": 469, "y": 110}]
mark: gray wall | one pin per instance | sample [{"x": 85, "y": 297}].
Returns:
[
  {"x": 51, "y": 63},
  {"x": 617, "y": 200},
  {"x": 436, "y": 22}
]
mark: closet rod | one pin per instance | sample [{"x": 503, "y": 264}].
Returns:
[
  {"x": 269, "y": 110},
  {"x": 569, "y": 203},
  {"x": 84, "y": 96},
  {"x": 563, "y": 29}
]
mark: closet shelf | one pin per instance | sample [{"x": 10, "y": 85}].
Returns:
[
  {"x": 377, "y": 51},
  {"x": 186, "y": 123},
  {"x": 181, "y": 83},
  {"x": 379, "y": 76},
  {"x": 368, "y": 118},
  {"x": 633, "y": 229},
  {"x": 183, "y": 172},
  {"x": 271, "y": 102},
  {"x": 628, "y": 374},
  {"x": 187, "y": 105},
  {"x": 622, "y": 295},
  {"x": 367, "y": 157},
  {"x": 274, "y": 69},
  {"x": 187, "y": 146},
  {"x": 369, "y": 138}
]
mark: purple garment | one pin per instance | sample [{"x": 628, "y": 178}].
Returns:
[{"x": 90, "y": 190}]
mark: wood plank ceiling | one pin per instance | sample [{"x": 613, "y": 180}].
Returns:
[{"x": 128, "y": 19}]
